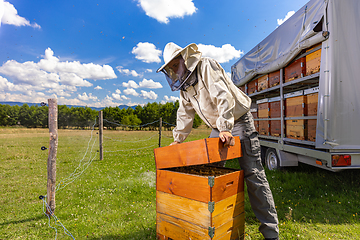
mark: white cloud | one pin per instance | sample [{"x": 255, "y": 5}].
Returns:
[
  {"x": 93, "y": 71},
  {"x": 52, "y": 75},
  {"x": 222, "y": 54},
  {"x": 150, "y": 84},
  {"x": 5, "y": 85},
  {"x": 148, "y": 95},
  {"x": 149, "y": 70},
  {"x": 117, "y": 91},
  {"x": 131, "y": 91},
  {"x": 162, "y": 10},
  {"x": 9, "y": 15},
  {"x": 169, "y": 99},
  {"x": 98, "y": 88},
  {"x": 147, "y": 52},
  {"x": 85, "y": 97},
  {"x": 288, "y": 15},
  {"x": 128, "y": 72},
  {"x": 130, "y": 84}
]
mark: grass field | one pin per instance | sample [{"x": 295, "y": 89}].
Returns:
[{"x": 115, "y": 198}]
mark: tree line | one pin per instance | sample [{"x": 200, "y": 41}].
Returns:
[{"x": 139, "y": 118}]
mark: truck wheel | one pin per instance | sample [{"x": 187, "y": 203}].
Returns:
[{"x": 271, "y": 160}]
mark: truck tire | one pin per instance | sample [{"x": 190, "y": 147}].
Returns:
[{"x": 272, "y": 161}]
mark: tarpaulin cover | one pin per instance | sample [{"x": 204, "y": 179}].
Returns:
[
  {"x": 282, "y": 45},
  {"x": 338, "y": 115}
]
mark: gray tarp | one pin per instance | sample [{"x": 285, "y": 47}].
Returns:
[
  {"x": 339, "y": 114},
  {"x": 338, "y": 119},
  {"x": 282, "y": 45}
]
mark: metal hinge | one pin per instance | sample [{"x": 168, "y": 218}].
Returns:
[
  {"x": 211, "y": 181},
  {"x": 211, "y": 206},
  {"x": 211, "y": 232}
]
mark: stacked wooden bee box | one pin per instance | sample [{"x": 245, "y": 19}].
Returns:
[{"x": 195, "y": 200}]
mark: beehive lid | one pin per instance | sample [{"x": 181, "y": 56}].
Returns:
[{"x": 204, "y": 151}]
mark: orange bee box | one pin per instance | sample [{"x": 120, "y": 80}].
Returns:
[
  {"x": 295, "y": 104},
  {"x": 274, "y": 78},
  {"x": 252, "y": 86},
  {"x": 296, "y": 129},
  {"x": 263, "y": 108},
  {"x": 312, "y": 97},
  {"x": 195, "y": 200},
  {"x": 296, "y": 69},
  {"x": 313, "y": 60},
  {"x": 263, "y": 83}
]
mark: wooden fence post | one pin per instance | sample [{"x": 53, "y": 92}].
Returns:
[
  {"x": 101, "y": 127},
  {"x": 51, "y": 162},
  {"x": 160, "y": 132}
]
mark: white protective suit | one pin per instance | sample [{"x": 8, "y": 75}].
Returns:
[
  {"x": 223, "y": 107},
  {"x": 215, "y": 98}
]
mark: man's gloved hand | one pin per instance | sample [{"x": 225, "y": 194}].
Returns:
[
  {"x": 227, "y": 139},
  {"x": 173, "y": 143}
]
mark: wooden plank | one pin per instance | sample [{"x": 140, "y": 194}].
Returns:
[
  {"x": 227, "y": 209},
  {"x": 227, "y": 185},
  {"x": 263, "y": 83},
  {"x": 296, "y": 69},
  {"x": 274, "y": 78},
  {"x": 183, "y": 154},
  {"x": 217, "y": 152},
  {"x": 275, "y": 109},
  {"x": 311, "y": 130},
  {"x": 188, "y": 210},
  {"x": 313, "y": 60},
  {"x": 295, "y": 106},
  {"x": 312, "y": 104},
  {"x": 176, "y": 228},
  {"x": 252, "y": 86},
  {"x": 263, "y": 110},
  {"x": 275, "y": 128},
  {"x": 264, "y": 127},
  {"x": 184, "y": 185},
  {"x": 296, "y": 129},
  {"x": 233, "y": 229}
]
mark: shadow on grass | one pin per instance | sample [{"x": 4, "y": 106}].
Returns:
[
  {"x": 141, "y": 234},
  {"x": 22, "y": 220}
]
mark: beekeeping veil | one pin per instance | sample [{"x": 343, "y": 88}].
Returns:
[{"x": 191, "y": 57}]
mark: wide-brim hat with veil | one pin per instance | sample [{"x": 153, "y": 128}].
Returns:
[{"x": 191, "y": 57}]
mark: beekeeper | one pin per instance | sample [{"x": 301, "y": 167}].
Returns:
[{"x": 206, "y": 89}]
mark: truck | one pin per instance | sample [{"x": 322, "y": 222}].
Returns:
[{"x": 304, "y": 82}]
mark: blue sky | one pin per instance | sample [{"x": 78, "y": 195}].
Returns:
[{"x": 106, "y": 53}]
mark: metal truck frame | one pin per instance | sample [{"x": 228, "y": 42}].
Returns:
[{"x": 334, "y": 24}]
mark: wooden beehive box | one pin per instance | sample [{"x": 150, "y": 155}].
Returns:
[
  {"x": 254, "y": 112},
  {"x": 295, "y": 104},
  {"x": 263, "y": 108},
  {"x": 264, "y": 128},
  {"x": 313, "y": 60},
  {"x": 296, "y": 69},
  {"x": 256, "y": 123},
  {"x": 274, "y": 78},
  {"x": 275, "y": 112},
  {"x": 296, "y": 129},
  {"x": 243, "y": 88},
  {"x": 252, "y": 86},
  {"x": 195, "y": 200},
  {"x": 312, "y": 96},
  {"x": 263, "y": 82}
]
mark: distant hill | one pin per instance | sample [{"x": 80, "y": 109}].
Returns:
[{"x": 38, "y": 104}]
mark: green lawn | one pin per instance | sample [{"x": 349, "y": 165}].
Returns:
[{"x": 115, "y": 198}]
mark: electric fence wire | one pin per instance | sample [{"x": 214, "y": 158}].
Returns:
[
  {"x": 123, "y": 125},
  {"x": 131, "y": 141},
  {"x": 122, "y": 150},
  {"x": 73, "y": 176},
  {"x": 56, "y": 220}
]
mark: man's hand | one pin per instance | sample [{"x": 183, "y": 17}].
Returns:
[
  {"x": 173, "y": 143},
  {"x": 227, "y": 139}
]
